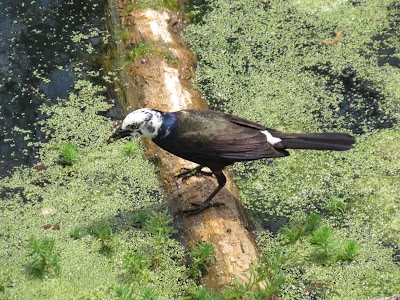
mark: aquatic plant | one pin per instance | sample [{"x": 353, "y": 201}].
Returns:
[
  {"x": 129, "y": 293},
  {"x": 295, "y": 231},
  {"x": 336, "y": 205},
  {"x": 93, "y": 191},
  {"x": 123, "y": 34},
  {"x": 312, "y": 222},
  {"x": 102, "y": 230},
  {"x": 158, "y": 224},
  {"x": 204, "y": 294},
  {"x": 124, "y": 292},
  {"x": 200, "y": 256},
  {"x": 136, "y": 263},
  {"x": 131, "y": 148},
  {"x": 5, "y": 282},
  {"x": 292, "y": 232},
  {"x": 69, "y": 154},
  {"x": 140, "y": 218},
  {"x": 2, "y": 286},
  {"x": 323, "y": 242},
  {"x": 264, "y": 282},
  {"x": 148, "y": 294},
  {"x": 349, "y": 250},
  {"x": 78, "y": 232},
  {"x": 45, "y": 259}
]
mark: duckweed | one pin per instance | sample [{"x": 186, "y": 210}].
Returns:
[{"x": 309, "y": 66}]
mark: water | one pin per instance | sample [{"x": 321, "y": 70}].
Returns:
[{"x": 38, "y": 56}]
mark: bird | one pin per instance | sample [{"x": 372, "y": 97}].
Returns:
[{"x": 215, "y": 140}]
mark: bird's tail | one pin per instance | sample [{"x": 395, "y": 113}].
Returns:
[{"x": 317, "y": 141}]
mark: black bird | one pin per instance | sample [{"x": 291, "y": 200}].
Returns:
[{"x": 215, "y": 140}]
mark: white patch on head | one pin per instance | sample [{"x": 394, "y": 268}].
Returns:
[
  {"x": 143, "y": 122},
  {"x": 271, "y": 139}
]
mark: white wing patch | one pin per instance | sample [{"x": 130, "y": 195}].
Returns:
[{"x": 270, "y": 138}]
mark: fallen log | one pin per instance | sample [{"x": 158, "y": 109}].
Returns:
[{"x": 163, "y": 81}]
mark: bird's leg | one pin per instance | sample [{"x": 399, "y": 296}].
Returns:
[
  {"x": 207, "y": 202},
  {"x": 187, "y": 173}
]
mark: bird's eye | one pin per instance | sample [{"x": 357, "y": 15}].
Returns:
[{"x": 134, "y": 126}]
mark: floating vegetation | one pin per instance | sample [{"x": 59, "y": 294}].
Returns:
[
  {"x": 264, "y": 282},
  {"x": 361, "y": 107},
  {"x": 38, "y": 53},
  {"x": 136, "y": 263},
  {"x": 93, "y": 200},
  {"x": 200, "y": 257},
  {"x": 295, "y": 231},
  {"x": 69, "y": 154},
  {"x": 303, "y": 66},
  {"x": 264, "y": 61},
  {"x": 324, "y": 243},
  {"x": 349, "y": 251},
  {"x": 45, "y": 259},
  {"x": 336, "y": 205},
  {"x": 131, "y": 148}
]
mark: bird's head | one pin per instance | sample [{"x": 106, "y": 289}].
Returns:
[{"x": 142, "y": 122}]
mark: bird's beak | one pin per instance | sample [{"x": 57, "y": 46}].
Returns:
[{"x": 118, "y": 134}]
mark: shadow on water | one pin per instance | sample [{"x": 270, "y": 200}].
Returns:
[
  {"x": 361, "y": 107},
  {"x": 37, "y": 53},
  {"x": 196, "y": 9}
]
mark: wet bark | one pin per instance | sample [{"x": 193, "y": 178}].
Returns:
[{"x": 164, "y": 83}]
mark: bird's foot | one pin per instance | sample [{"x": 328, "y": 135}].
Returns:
[
  {"x": 199, "y": 207},
  {"x": 187, "y": 173}
]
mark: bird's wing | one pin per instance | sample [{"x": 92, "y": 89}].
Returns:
[
  {"x": 246, "y": 123},
  {"x": 223, "y": 137},
  {"x": 244, "y": 141}
]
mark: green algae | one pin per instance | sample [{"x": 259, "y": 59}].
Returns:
[
  {"x": 264, "y": 61},
  {"x": 202, "y": 254},
  {"x": 101, "y": 192},
  {"x": 104, "y": 184},
  {"x": 270, "y": 62}
]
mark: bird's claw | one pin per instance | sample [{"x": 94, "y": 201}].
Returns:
[
  {"x": 186, "y": 177},
  {"x": 186, "y": 173},
  {"x": 199, "y": 207}
]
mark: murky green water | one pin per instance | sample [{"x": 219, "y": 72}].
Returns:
[{"x": 38, "y": 56}]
